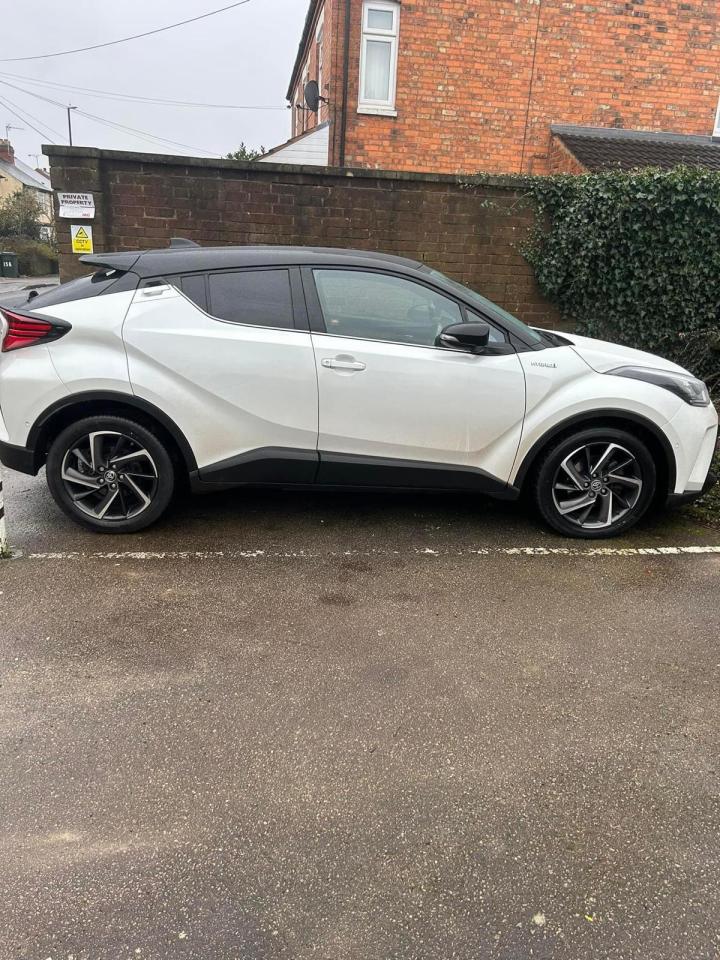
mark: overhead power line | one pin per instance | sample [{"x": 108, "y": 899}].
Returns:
[
  {"x": 136, "y": 36},
  {"x": 18, "y": 112},
  {"x": 31, "y": 93},
  {"x": 143, "y": 134},
  {"x": 110, "y": 95}
]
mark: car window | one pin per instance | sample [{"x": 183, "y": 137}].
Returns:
[
  {"x": 192, "y": 286},
  {"x": 375, "y": 306},
  {"x": 259, "y": 297},
  {"x": 194, "y": 289},
  {"x": 103, "y": 281},
  {"x": 496, "y": 335},
  {"x": 482, "y": 303}
]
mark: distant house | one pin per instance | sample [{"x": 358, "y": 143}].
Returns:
[
  {"x": 494, "y": 85},
  {"x": 16, "y": 175}
]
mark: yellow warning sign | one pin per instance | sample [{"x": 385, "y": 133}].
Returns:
[{"x": 81, "y": 235}]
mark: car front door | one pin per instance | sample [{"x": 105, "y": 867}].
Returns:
[
  {"x": 228, "y": 357},
  {"x": 394, "y": 408}
]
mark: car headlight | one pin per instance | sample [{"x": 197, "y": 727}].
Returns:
[{"x": 689, "y": 389}]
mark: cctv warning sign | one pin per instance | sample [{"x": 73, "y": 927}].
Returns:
[{"x": 81, "y": 235}]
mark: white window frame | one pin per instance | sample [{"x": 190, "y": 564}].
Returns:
[
  {"x": 320, "y": 53},
  {"x": 384, "y": 108},
  {"x": 716, "y": 130},
  {"x": 305, "y": 78}
]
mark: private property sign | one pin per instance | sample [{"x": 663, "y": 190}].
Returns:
[{"x": 76, "y": 206}]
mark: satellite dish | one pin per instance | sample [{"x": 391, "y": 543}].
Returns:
[{"x": 312, "y": 96}]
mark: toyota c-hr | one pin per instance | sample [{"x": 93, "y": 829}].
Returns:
[{"x": 296, "y": 366}]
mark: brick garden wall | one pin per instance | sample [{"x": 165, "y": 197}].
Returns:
[{"x": 142, "y": 200}]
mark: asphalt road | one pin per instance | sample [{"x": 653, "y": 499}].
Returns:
[{"x": 356, "y": 728}]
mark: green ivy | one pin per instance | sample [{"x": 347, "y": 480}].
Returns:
[{"x": 634, "y": 257}]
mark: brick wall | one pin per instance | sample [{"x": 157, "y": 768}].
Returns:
[
  {"x": 142, "y": 200},
  {"x": 480, "y": 82}
]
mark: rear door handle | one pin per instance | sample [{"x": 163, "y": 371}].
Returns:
[
  {"x": 336, "y": 364},
  {"x": 154, "y": 291}
]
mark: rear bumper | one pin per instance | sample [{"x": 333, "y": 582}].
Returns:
[
  {"x": 678, "y": 499},
  {"x": 21, "y": 459}
]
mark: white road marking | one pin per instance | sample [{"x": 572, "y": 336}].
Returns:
[{"x": 413, "y": 551}]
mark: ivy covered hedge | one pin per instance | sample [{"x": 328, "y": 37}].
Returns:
[{"x": 635, "y": 257}]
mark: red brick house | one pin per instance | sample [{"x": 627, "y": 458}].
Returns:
[{"x": 465, "y": 85}]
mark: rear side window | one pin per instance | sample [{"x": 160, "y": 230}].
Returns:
[
  {"x": 104, "y": 281},
  {"x": 258, "y": 297},
  {"x": 193, "y": 286},
  {"x": 194, "y": 289}
]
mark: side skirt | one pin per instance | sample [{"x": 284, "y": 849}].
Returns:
[{"x": 310, "y": 469}]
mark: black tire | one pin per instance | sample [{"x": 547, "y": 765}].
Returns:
[
  {"x": 82, "y": 492},
  {"x": 564, "y": 475}
]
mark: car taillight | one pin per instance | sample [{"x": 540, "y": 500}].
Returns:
[{"x": 24, "y": 331}]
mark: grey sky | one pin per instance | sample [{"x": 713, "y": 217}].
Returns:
[{"x": 242, "y": 56}]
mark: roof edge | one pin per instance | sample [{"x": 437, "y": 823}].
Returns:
[
  {"x": 307, "y": 27},
  {"x": 622, "y": 133}
]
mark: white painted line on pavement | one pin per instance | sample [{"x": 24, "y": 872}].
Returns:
[{"x": 414, "y": 551}]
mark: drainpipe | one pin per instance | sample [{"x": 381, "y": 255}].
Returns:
[
  {"x": 345, "y": 81},
  {"x": 530, "y": 86}
]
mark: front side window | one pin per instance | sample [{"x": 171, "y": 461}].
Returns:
[
  {"x": 258, "y": 297},
  {"x": 378, "y": 56},
  {"x": 376, "y": 306},
  {"x": 482, "y": 303}
]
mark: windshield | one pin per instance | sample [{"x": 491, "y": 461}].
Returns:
[{"x": 483, "y": 304}]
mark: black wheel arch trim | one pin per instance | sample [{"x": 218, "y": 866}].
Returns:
[
  {"x": 37, "y": 430},
  {"x": 589, "y": 420}
]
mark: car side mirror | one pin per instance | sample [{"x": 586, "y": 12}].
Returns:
[{"x": 458, "y": 335}]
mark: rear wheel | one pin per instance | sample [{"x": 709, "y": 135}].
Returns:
[
  {"x": 110, "y": 474},
  {"x": 595, "y": 483}
]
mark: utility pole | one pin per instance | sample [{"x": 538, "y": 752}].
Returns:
[{"x": 69, "y": 108}]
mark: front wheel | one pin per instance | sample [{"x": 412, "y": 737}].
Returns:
[
  {"x": 595, "y": 483},
  {"x": 110, "y": 474}
]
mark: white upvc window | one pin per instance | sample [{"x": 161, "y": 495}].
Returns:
[
  {"x": 716, "y": 131},
  {"x": 378, "y": 57},
  {"x": 304, "y": 111},
  {"x": 319, "y": 36}
]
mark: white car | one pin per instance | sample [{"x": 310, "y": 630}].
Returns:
[{"x": 237, "y": 366}]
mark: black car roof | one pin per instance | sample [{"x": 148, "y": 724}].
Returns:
[{"x": 187, "y": 259}]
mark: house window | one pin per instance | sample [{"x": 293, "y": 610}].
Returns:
[
  {"x": 378, "y": 57},
  {"x": 716, "y": 131},
  {"x": 304, "y": 111},
  {"x": 319, "y": 56}
]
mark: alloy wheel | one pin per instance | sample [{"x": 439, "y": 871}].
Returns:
[
  {"x": 109, "y": 476},
  {"x": 597, "y": 485}
]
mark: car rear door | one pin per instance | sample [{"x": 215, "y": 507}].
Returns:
[
  {"x": 227, "y": 355},
  {"x": 396, "y": 410}
]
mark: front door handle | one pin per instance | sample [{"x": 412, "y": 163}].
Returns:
[{"x": 337, "y": 364}]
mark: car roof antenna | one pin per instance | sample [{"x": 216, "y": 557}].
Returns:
[{"x": 182, "y": 242}]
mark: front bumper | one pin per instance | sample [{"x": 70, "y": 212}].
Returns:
[
  {"x": 678, "y": 499},
  {"x": 21, "y": 459}
]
